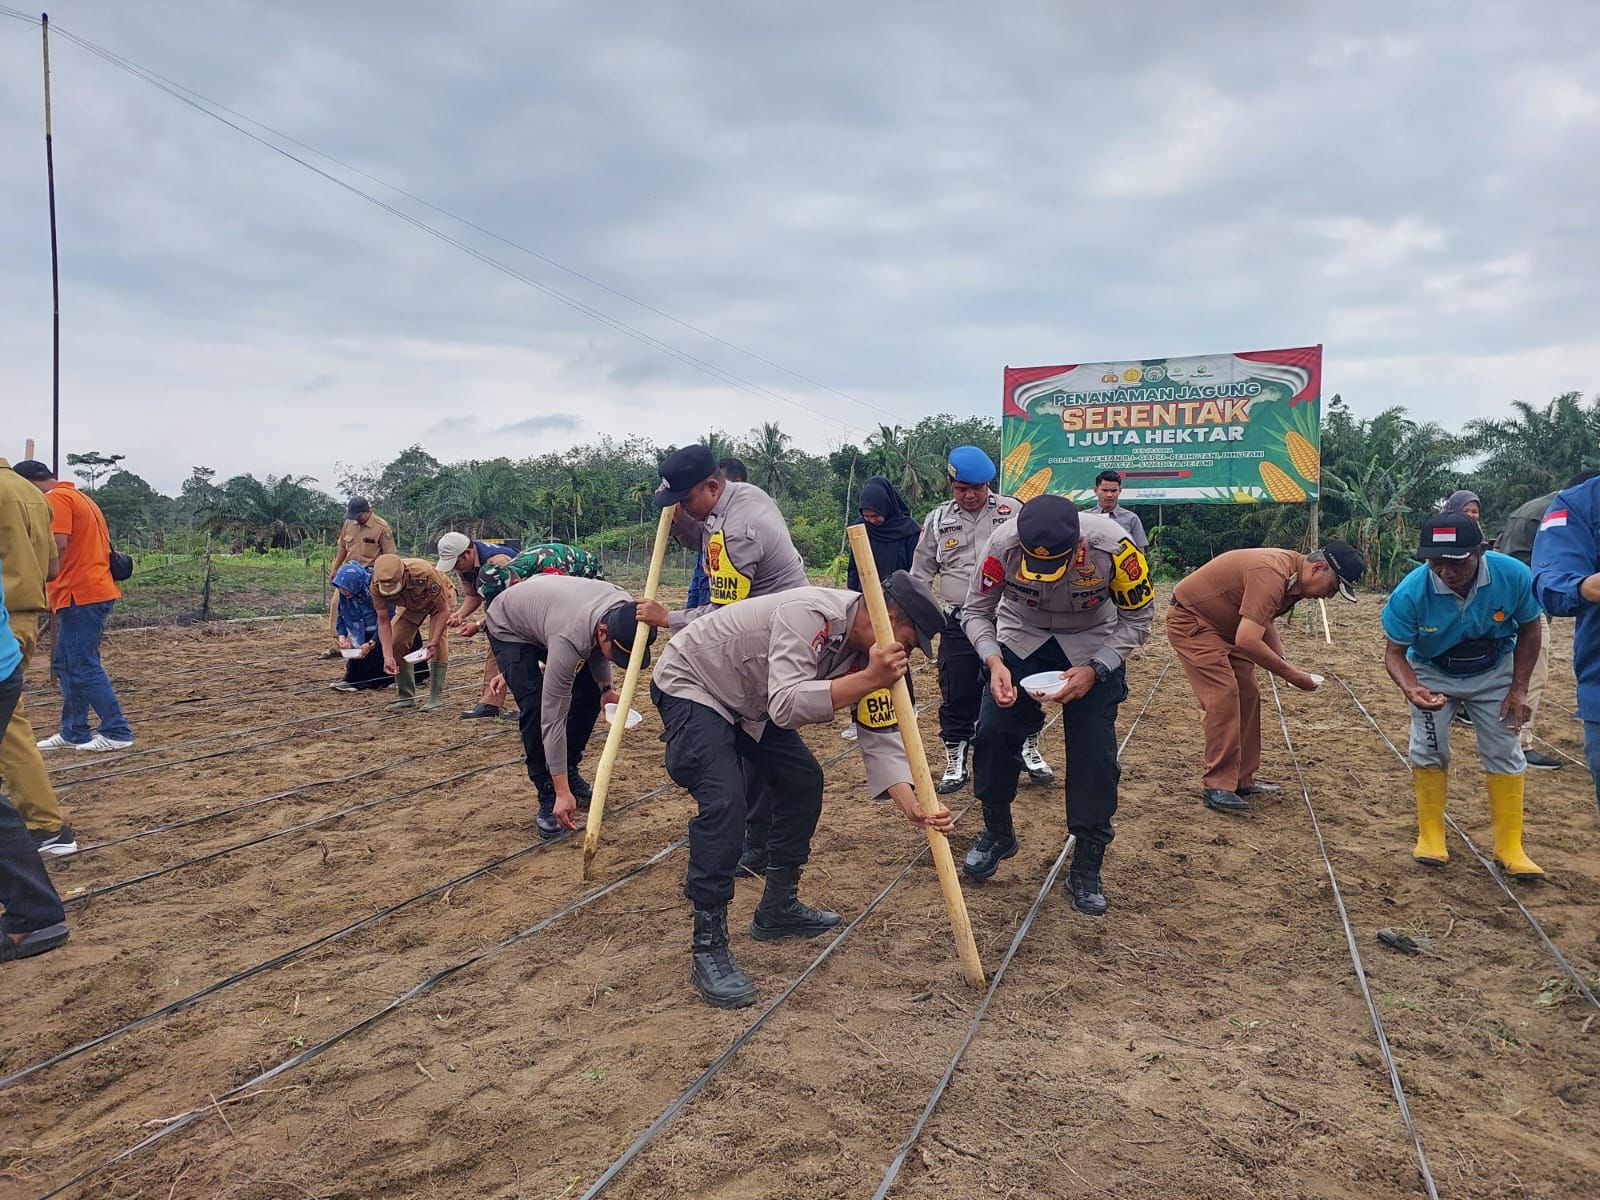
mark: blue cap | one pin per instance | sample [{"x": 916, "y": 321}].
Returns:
[{"x": 968, "y": 464}]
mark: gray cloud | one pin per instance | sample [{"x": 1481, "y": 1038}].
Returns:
[{"x": 895, "y": 199}]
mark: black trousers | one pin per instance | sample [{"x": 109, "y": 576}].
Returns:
[
  {"x": 961, "y": 683},
  {"x": 704, "y": 756},
  {"x": 26, "y": 892},
  {"x": 522, "y": 664},
  {"x": 1092, "y": 773}
]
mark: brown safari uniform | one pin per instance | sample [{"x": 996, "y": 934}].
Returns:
[
  {"x": 26, "y": 548},
  {"x": 1202, "y": 624},
  {"x": 426, "y": 594},
  {"x": 361, "y": 544}
]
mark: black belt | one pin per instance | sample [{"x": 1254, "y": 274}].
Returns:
[{"x": 1472, "y": 657}]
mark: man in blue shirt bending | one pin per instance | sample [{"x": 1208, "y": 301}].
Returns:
[{"x": 1464, "y": 631}]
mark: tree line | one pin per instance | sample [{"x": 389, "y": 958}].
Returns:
[{"x": 1380, "y": 476}]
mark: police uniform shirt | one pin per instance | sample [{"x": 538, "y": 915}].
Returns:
[
  {"x": 1099, "y": 609},
  {"x": 772, "y": 658},
  {"x": 747, "y": 547},
  {"x": 559, "y": 613},
  {"x": 363, "y": 543},
  {"x": 1130, "y": 522},
  {"x": 952, "y": 541}
]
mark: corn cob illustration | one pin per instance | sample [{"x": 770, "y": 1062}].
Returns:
[
  {"x": 1034, "y": 485},
  {"x": 1017, "y": 461},
  {"x": 1280, "y": 486},
  {"x": 1303, "y": 455}
]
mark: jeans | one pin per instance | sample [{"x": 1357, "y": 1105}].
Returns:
[
  {"x": 1591, "y": 751},
  {"x": 84, "y": 682},
  {"x": 29, "y": 898}
]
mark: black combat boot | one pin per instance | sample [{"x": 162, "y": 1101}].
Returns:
[
  {"x": 546, "y": 822},
  {"x": 781, "y": 912},
  {"x": 987, "y": 853},
  {"x": 582, "y": 792},
  {"x": 712, "y": 970},
  {"x": 1083, "y": 877},
  {"x": 753, "y": 862}
]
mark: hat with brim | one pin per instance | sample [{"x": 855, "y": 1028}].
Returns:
[
  {"x": 1452, "y": 536},
  {"x": 451, "y": 547},
  {"x": 388, "y": 574},
  {"x": 682, "y": 471},
  {"x": 1347, "y": 565},
  {"x": 623, "y": 628},
  {"x": 1047, "y": 531}
]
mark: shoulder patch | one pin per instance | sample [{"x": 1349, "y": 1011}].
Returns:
[
  {"x": 1131, "y": 587},
  {"x": 1002, "y": 510},
  {"x": 994, "y": 574}
]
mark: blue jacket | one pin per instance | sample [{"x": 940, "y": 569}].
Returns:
[
  {"x": 699, "y": 585},
  {"x": 1566, "y": 551}
]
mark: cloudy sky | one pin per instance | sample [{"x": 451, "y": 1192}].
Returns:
[{"x": 894, "y": 200}]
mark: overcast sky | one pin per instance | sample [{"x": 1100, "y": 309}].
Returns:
[{"x": 895, "y": 200}]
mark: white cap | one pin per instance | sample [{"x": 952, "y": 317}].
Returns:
[{"x": 451, "y": 547}]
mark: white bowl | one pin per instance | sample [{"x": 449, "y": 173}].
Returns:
[
  {"x": 634, "y": 716},
  {"x": 1317, "y": 679},
  {"x": 417, "y": 656},
  {"x": 356, "y": 653},
  {"x": 1045, "y": 683}
]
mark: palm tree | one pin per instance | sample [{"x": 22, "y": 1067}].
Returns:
[
  {"x": 280, "y": 510},
  {"x": 643, "y": 492},
  {"x": 719, "y": 443},
  {"x": 492, "y": 496},
  {"x": 896, "y": 455},
  {"x": 573, "y": 493},
  {"x": 1536, "y": 450},
  {"x": 770, "y": 459},
  {"x": 549, "y": 500}
]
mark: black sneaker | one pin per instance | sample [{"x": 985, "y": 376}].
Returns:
[
  {"x": 581, "y": 789},
  {"x": 987, "y": 853},
  {"x": 57, "y": 843},
  {"x": 1541, "y": 761},
  {"x": 479, "y": 711}
]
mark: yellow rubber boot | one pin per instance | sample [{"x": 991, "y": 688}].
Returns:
[
  {"x": 1429, "y": 784},
  {"x": 1505, "y": 814}
]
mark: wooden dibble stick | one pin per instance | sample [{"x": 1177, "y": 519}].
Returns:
[
  {"x": 630, "y": 683},
  {"x": 1327, "y": 634},
  {"x": 955, "y": 904}
]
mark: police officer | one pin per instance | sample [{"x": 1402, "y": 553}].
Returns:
[
  {"x": 1071, "y": 594},
  {"x": 736, "y": 687},
  {"x": 953, "y": 535},
  {"x": 748, "y": 552},
  {"x": 555, "y": 639}
]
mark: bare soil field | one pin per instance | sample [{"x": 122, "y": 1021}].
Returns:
[{"x": 406, "y": 994}]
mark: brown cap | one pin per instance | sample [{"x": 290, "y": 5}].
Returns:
[{"x": 387, "y": 574}]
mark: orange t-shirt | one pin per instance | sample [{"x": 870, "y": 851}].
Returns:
[{"x": 85, "y": 575}]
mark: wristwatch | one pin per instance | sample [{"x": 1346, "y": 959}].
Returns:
[{"x": 1101, "y": 671}]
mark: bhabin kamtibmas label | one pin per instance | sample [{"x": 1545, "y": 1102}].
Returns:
[{"x": 1208, "y": 429}]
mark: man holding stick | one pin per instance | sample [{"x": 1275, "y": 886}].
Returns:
[
  {"x": 1065, "y": 593},
  {"x": 1464, "y": 631},
  {"x": 748, "y": 552},
  {"x": 1222, "y": 626},
  {"x": 735, "y": 688},
  {"x": 555, "y": 639}
]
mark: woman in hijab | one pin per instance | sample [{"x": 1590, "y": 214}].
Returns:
[
  {"x": 891, "y": 530},
  {"x": 1464, "y": 502},
  {"x": 357, "y": 627}
]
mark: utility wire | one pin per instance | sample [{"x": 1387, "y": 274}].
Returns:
[{"x": 213, "y": 109}]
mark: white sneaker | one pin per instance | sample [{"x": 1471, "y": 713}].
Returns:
[
  {"x": 1038, "y": 770},
  {"x": 100, "y": 743},
  {"x": 849, "y": 733},
  {"x": 56, "y": 742},
  {"x": 955, "y": 768}
]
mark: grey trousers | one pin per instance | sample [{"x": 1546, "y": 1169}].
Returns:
[{"x": 1499, "y": 750}]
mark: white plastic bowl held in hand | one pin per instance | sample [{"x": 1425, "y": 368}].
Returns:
[
  {"x": 417, "y": 656},
  {"x": 356, "y": 653},
  {"x": 1317, "y": 679},
  {"x": 1045, "y": 683},
  {"x": 634, "y": 716}
]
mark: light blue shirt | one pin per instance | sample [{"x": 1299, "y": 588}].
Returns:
[
  {"x": 10, "y": 648},
  {"x": 1422, "y": 613}
]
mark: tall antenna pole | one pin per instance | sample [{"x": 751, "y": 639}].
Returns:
[{"x": 55, "y": 264}]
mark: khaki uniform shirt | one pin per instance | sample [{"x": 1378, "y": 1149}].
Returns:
[
  {"x": 26, "y": 543},
  {"x": 363, "y": 543},
  {"x": 1250, "y": 583},
  {"x": 1100, "y": 609},
  {"x": 747, "y": 547},
  {"x": 772, "y": 658},
  {"x": 424, "y": 589},
  {"x": 559, "y": 613},
  {"x": 952, "y": 539}
]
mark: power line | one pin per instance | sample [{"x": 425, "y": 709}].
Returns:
[{"x": 203, "y": 105}]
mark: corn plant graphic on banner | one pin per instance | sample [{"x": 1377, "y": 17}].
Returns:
[{"x": 1209, "y": 429}]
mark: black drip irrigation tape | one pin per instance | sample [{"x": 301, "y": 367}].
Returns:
[
  {"x": 1489, "y": 865},
  {"x": 1054, "y": 873},
  {"x": 85, "y": 897},
  {"x": 232, "y": 809},
  {"x": 420, "y": 989},
  {"x": 335, "y": 720},
  {"x": 1355, "y": 957},
  {"x": 299, "y": 952}
]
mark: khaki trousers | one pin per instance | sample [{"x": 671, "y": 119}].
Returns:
[
  {"x": 1536, "y": 681},
  {"x": 406, "y": 626},
  {"x": 21, "y": 764},
  {"x": 1225, "y": 683}
]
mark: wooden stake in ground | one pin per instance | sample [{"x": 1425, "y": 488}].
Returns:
[
  {"x": 1327, "y": 636},
  {"x": 630, "y": 683},
  {"x": 905, "y": 712}
]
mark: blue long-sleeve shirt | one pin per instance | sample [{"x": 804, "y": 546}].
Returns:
[
  {"x": 699, "y": 585},
  {"x": 1566, "y": 551}
]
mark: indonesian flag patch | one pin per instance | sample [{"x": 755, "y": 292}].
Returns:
[
  {"x": 1444, "y": 535},
  {"x": 1554, "y": 518},
  {"x": 994, "y": 574}
]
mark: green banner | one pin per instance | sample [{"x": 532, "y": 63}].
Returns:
[{"x": 1208, "y": 429}]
